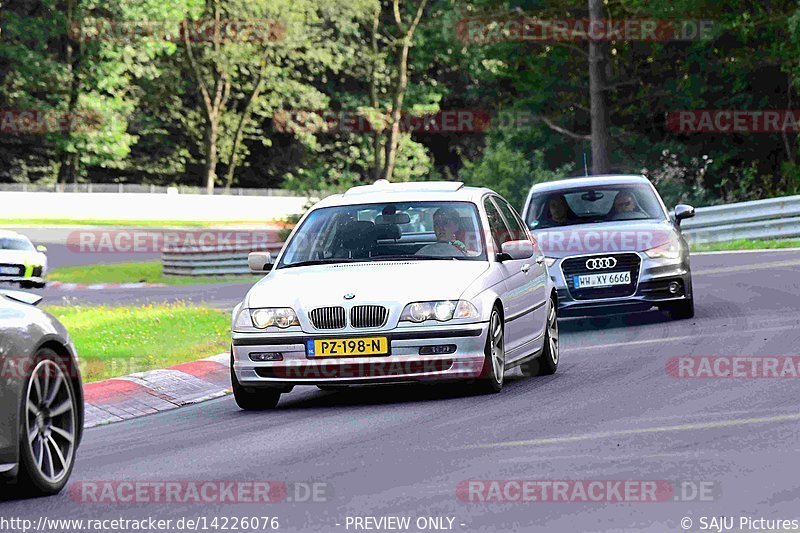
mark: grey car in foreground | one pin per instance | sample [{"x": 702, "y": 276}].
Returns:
[
  {"x": 396, "y": 282},
  {"x": 612, "y": 246},
  {"x": 41, "y": 397}
]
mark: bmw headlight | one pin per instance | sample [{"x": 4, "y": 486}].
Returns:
[
  {"x": 442, "y": 310},
  {"x": 670, "y": 250},
  {"x": 280, "y": 317}
]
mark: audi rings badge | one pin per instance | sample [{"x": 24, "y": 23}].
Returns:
[{"x": 601, "y": 263}]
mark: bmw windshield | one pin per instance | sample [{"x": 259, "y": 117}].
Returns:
[
  {"x": 387, "y": 231},
  {"x": 587, "y": 205}
]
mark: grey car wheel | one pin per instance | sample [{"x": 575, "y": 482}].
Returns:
[
  {"x": 494, "y": 365},
  {"x": 547, "y": 363},
  {"x": 48, "y": 435},
  {"x": 253, "y": 399}
]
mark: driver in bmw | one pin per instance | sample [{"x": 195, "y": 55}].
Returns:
[{"x": 449, "y": 235}]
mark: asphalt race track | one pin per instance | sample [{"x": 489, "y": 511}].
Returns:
[{"x": 612, "y": 412}]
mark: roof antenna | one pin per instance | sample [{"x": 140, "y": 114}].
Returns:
[{"x": 585, "y": 166}]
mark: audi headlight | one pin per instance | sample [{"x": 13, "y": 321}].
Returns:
[
  {"x": 670, "y": 250},
  {"x": 442, "y": 311},
  {"x": 281, "y": 317}
]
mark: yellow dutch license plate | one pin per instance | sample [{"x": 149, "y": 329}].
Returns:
[{"x": 354, "y": 347}]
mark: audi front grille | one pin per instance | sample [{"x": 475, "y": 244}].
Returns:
[
  {"x": 576, "y": 266},
  {"x": 368, "y": 316},
  {"x": 328, "y": 318}
]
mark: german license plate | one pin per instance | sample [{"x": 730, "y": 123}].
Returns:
[
  {"x": 609, "y": 279},
  {"x": 9, "y": 270},
  {"x": 354, "y": 347}
]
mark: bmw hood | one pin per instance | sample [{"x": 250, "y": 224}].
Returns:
[
  {"x": 604, "y": 237},
  {"x": 374, "y": 282}
]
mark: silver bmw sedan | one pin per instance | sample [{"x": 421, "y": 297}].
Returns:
[
  {"x": 402, "y": 282},
  {"x": 612, "y": 245},
  {"x": 41, "y": 398}
]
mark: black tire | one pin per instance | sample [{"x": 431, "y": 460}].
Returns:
[
  {"x": 253, "y": 399},
  {"x": 492, "y": 375},
  {"x": 48, "y": 457},
  {"x": 682, "y": 310},
  {"x": 547, "y": 363}
]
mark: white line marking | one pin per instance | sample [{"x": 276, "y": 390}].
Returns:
[
  {"x": 643, "y": 431},
  {"x": 745, "y": 268},
  {"x": 760, "y": 251},
  {"x": 672, "y": 339}
]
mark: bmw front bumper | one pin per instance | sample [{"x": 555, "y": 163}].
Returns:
[
  {"x": 405, "y": 363},
  {"x": 652, "y": 288}
]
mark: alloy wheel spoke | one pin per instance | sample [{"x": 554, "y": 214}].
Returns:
[
  {"x": 32, "y": 434},
  {"x": 60, "y": 456},
  {"x": 46, "y": 447},
  {"x": 40, "y": 455},
  {"x": 37, "y": 386},
  {"x": 62, "y": 408},
  {"x": 56, "y": 385},
  {"x": 64, "y": 434},
  {"x": 33, "y": 408}
]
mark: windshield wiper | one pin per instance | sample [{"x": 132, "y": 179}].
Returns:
[
  {"x": 411, "y": 258},
  {"x": 320, "y": 262}
]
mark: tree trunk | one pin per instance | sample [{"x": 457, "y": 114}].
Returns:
[
  {"x": 211, "y": 155},
  {"x": 68, "y": 168},
  {"x": 397, "y": 112},
  {"x": 598, "y": 59},
  {"x": 377, "y": 159},
  {"x": 401, "y": 85}
]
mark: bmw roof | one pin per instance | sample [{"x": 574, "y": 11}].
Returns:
[
  {"x": 587, "y": 181},
  {"x": 384, "y": 191}
]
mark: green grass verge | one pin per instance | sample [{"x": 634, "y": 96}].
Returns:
[
  {"x": 745, "y": 244},
  {"x": 126, "y": 223},
  {"x": 149, "y": 272},
  {"x": 116, "y": 341}
]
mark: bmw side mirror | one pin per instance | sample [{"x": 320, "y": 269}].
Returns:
[
  {"x": 41, "y": 248},
  {"x": 683, "y": 211},
  {"x": 259, "y": 262},
  {"x": 514, "y": 250}
]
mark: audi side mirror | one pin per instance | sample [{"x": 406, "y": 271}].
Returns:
[{"x": 259, "y": 262}]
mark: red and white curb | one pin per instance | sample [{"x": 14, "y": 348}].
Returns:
[
  {"x": 100, "y": 286},
  {"x": 145, "y": 393}
]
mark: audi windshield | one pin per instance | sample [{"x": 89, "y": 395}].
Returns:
[
  {"x": 387, "y": 231},
  {"x": 588, "y": 205}
]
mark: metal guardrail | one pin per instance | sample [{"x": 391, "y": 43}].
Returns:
[
  {"x": 137, "y": 188},
  {"x": 228, "y": 261},
  {"x": 775, "y": 218}
]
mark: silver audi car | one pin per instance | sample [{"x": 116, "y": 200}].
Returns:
[
  {"x": 612, "y": 246},
  {"x": 396, "y": 282},
  {"x": 41, "y": 399}
]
